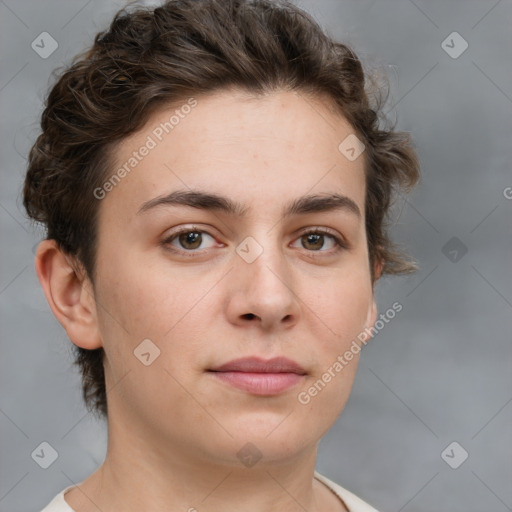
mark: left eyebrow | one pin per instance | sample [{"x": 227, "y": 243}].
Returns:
[{"x": 213, "y": 202}]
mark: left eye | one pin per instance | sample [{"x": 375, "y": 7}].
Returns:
[{"x": 315, "y": 241}]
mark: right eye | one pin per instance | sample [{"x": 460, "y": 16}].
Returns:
[{"x": 187, "y": 240}]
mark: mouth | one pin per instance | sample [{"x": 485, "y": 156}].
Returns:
[{"x": 260, "y": 377}]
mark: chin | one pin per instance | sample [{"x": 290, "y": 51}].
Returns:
[{"x": 271, "y": 442}]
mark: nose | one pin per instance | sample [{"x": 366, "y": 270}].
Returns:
[{"x": 262, "y": 292}]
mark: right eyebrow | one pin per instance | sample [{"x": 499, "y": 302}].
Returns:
[{"x": 195, "y": 199}]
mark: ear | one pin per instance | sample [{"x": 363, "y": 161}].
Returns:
[
  {"x": 70, "y": 295},
  {"x": 371, "y": 317},
  {"x": 377, "y": 269}
]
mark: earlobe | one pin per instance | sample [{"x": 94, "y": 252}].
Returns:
[
  {"x": 372, "y": 315},
  {"x": 378, "y": 267},
  {"x": 70, "y": 297}
]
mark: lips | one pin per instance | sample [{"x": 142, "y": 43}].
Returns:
[
  {"x": 257, "y": 365},
  {"x": 260, "y": 377}
]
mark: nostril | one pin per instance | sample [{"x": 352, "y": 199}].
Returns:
[{"x": 249, "y": 316}]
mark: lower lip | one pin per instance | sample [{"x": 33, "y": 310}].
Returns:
[{"x": 260, "y": 383}]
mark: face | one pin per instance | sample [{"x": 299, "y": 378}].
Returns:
[{"x": 206, "y": 281}]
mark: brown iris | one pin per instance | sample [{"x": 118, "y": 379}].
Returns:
[
  {"x": 193, "y": 238},
  {"x": 317, "y": 240}
]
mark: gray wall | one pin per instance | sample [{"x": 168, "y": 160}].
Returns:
[{"x": 440, "y": 372}]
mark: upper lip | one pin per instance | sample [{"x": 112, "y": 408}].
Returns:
[{"x": 259, "y": 365}]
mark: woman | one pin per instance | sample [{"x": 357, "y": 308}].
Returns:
[{"x": 214, "y": 184}]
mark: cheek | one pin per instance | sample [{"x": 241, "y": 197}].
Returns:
[
  {"x": 326, "y": 393},
  {"x": 341, "y": 306},
  {"x": 171, "y": 309},
  {"x": 143, "y": 300},
  {"x": 137, "y": 305}
]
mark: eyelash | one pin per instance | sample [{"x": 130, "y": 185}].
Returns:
[{"x": 340, "y": 244}]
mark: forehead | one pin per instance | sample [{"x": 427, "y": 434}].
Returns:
[{"x": 262, "y": 150}]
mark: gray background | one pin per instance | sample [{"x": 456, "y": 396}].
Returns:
[{"x": 439, "y": 372}]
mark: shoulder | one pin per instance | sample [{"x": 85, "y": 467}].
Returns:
[
  {"x": 59, "y": 504},
  {"x": 352, "y": 502}
]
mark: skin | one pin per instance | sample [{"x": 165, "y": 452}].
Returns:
[{"x": 174, "y": 429}]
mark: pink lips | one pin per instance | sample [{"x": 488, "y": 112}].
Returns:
[{"x": 260, "y": 377}]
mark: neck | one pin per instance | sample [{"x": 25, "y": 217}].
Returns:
[{"x": 141, "y": 472}]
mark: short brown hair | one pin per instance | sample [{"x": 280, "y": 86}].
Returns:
[{"x": 154, "y": 57}]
